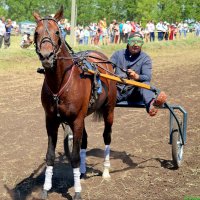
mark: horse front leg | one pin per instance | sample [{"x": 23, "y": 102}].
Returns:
[
  {"x": 52, "y": 132},
  {"x": 108, "y": 120}
]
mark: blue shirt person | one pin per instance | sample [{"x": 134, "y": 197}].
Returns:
[
  {"x": 135, "y": 64},
  {"x": 8, "y": 27},
  {"x": 63, "y": 28}
]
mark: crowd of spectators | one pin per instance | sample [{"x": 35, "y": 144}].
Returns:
[{"x": 118, "y": 32}]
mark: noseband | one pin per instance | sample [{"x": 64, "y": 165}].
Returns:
[{"x": 48, "y": 38}]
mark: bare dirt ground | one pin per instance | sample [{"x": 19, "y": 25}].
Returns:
[{"x": 140, "y": 155}]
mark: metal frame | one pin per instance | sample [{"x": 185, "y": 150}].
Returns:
[
  {"x": 172, "y": 120},
  {"x": 176, "y": 126}
]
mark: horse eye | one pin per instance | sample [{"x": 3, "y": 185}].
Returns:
[
  {"x": 57, "y": 32},
  {"x": 36, "y": 34}
]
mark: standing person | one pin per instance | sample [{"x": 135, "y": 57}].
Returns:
[
  {"x": 166, "y": 30},
  {"x": 198, "y": 29},
  {"x": 139, "y": 68},
  {"x": 9, "y": 27},
  {"x": 92, "y": 28},
  {"x": 105, "y": 36},
  {"x": 121, "y": 34},
  {"x": 133, "y": 27},
  {"x": 111, "y": 31},
  {"x": 127, "y": 30},
  {"x": 100, "y": 30},
  {"x": 175, "y": 31},
  {"x": 97, "y": 35},
  {"x": 180, "y": 28},
  {"x": 171, "y": 31},
  {"x": 67, "y": 26},
  {"x": 104, "y": 23},
  {"x": 81, "y": 37},
  {"x": 185, "y": 29},
  {"x": 86, "y": 35},
  {"x": 77, "y": 34},
  {"x": 116, "y": 30},
  {"x": 151, "y": 29},
  {"x": 160, "y": 30},
  {"x": 137, "y": 27},
  {"x": 147, "y": 32},
  {"x": 63, "y": 28},
  {"x": 2, "y": 31}
]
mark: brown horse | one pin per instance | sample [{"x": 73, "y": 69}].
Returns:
[{"x": 67, "y": 95}]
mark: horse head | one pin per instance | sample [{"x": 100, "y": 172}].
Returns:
[{"x": 47, "y": 38}]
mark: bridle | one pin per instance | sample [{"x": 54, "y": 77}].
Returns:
[{"x": 48, "y": 38}]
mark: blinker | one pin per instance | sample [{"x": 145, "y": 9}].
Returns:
[{"x": 135, "y": 41}]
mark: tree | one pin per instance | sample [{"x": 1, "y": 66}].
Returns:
[
  {"x": 147, "y": 10},
  {"x": 94, "y": 10}
]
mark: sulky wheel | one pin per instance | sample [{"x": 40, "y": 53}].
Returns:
[
  {"x": 68, "y": 141},
  {"x": 177, "y": 147}
]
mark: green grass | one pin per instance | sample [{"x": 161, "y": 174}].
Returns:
[
  {"x": 191, "y": 198},
  {"x": 16, "y": 58}
]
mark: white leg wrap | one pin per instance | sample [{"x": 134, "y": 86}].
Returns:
[
  {"x": 77, "y": 182},
  {"x": 48, "y": 178},
  {"x": 83, "y": 158},
  {"x": 106, "y": 164},
  {"x": 107, "y": 156}
]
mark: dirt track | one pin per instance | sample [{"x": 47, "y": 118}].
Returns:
[{"x": 140, "y": 156}]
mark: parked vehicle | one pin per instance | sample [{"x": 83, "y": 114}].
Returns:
[{"x": 27, "y": 26}]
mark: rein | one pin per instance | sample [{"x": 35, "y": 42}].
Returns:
[{"x": 79, "y": 60}]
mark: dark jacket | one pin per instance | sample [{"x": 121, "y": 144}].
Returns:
[{"x": 140, "y": 63}]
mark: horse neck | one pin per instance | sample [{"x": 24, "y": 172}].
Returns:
[{"x": 60, "y": 74}]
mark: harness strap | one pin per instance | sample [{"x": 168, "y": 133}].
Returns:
[{"x": 61, "y": 90}]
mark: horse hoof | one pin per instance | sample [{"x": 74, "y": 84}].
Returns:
[
  {"x": 77, "y": 196},
  {"x": 44, "y": 194},
  {"x": 106, "y": 175},
  {"x": 82, "y": 176}
]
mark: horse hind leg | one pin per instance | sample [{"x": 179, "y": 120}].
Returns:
[
  {"x": 68, "y": 135},
  {"x": 83, "y": 153},
  {"x": 80, "y": 173},
  {"x": 106, "y": 164},
  {"x": 108, "y": 120},
  {"x": 52, "y": 130}
]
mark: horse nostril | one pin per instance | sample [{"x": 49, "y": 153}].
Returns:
[
  {"x": 51, "y": 54},
  {"x": 41, "y": 56},
  {"x": 45, "y": 56}
]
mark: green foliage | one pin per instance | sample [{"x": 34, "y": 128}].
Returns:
[
  {"x": 147, "y": 10},
  {"x": 94, "y": 10}
]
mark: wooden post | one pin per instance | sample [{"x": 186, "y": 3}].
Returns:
[{"x": 73, "y": 24}]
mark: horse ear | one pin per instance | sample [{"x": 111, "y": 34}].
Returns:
[
  {"x": 59, "y": 15},
  {"x": 36, "y": 16}
]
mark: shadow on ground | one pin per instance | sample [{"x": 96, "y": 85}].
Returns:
[
  {"x": 63, "y": 176},
  {"x": 62, "y": 181}
]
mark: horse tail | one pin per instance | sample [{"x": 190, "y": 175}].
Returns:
[{"x": 98, "y": 115}]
